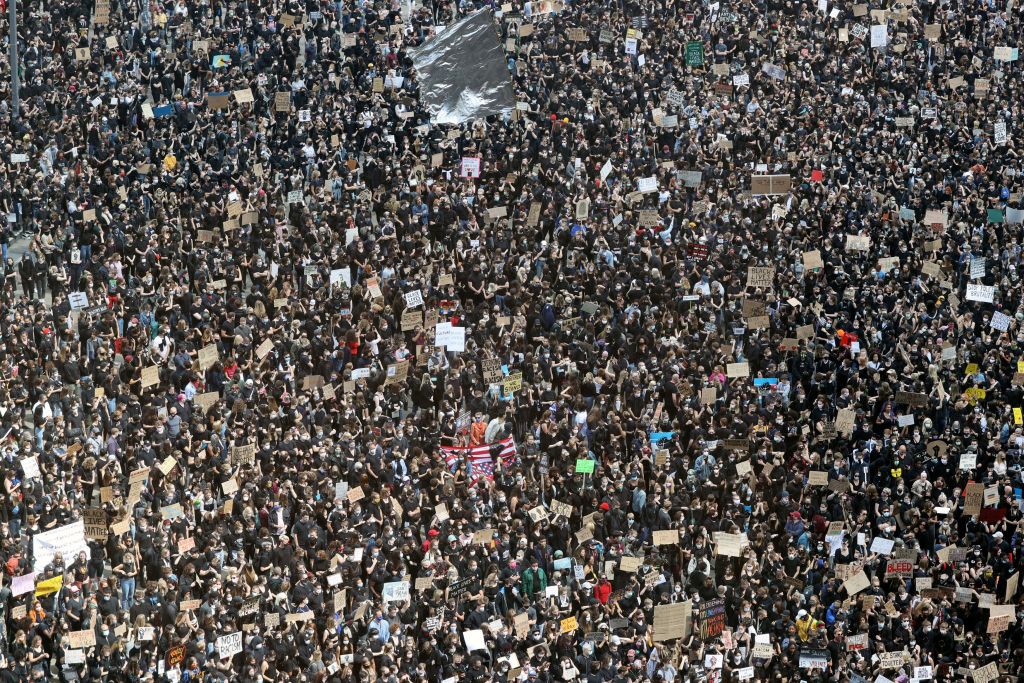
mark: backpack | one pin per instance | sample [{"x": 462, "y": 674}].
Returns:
[{"x": 547, "y": 316}]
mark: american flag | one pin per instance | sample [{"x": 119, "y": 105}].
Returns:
[{"x": 478, "y": 458}]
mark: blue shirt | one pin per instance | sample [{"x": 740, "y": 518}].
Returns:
[{"x": 383, "y": 629}]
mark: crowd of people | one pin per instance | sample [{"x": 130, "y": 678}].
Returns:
[{"x": 703, "y": 361}]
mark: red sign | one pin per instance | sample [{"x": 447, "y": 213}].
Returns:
[{"x": 900, "y": 568}]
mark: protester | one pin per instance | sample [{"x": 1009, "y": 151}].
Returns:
[{"x": 713, "y": 373}]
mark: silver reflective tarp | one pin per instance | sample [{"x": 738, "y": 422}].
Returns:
[{"x": 463, "y": 73}]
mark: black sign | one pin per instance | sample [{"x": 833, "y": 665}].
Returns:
[
  {"x": 712, "y": 618},
  {"x": 459, "y": 587}
]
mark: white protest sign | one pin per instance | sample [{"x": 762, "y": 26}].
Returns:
[
  {"x": 23, "y": 584},
  {"x": 982, "y": 293},
  {"x": 879, "y": 35},
  {"x": 229, "y": 645},
  {"x": 450, "y": 337},
  {"x": 395, "y": 591},
  {"x": 30, "y": 466},
  {"x": 414, "y": 298},
  {"x": 339, "y": 275},
  {"x": 474, "y": 640},
  {"x": 78, "y": 300},
  {"x": 999, "y": 132},
  {"x": 68, "y": 540},
  {"x": 647, "y": 184},
  {"x": 882, "y": 546},
  {"x": 470, "y": 167}
]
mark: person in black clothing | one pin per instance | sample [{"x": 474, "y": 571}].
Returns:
[{"x": 27, "y": 272}]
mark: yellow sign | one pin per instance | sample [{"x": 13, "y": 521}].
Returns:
[
  {"x": 49, "y": 586},
  {"x": 974, "y": 394},
  {"x": 513, "y": 383},
  {"x": 569, "y": 625},
  {"x": 972, "y": 369},
  {"x": 1017, "y": 418}
]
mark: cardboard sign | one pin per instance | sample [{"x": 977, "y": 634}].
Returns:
[
  {"x": 770, "y": 184},
  {"x": 219, "y": 100},
  {"x": 911, "y": 398},
  {"x": 630, "y": 564},
  {"x": 411, "y": 320},
  {"x": 737, "y": 370},
  {"x": 760, "y": 276},
  {"x": 673, "y": 621},
  {"x": 81, "y": 639},
  {"x": 989, "y": 672},
  {"x": 559, "y": 508},
  {"x": 208, "y": 356},
  {"x": 243, "y": 454},
  {"x": 205, "y": 400},
  {"x": 817, "y": 478},
  {"x": 856, "y": 583},
  {"x": 264, "y": 348},
  {"x": 665, "y": 537},
  {"x": 899, "y": 569},
  {"x": 974, "y": 495},
  {"x": 491, "y": 370},
  {"x": 812, "y": 260},
  {"x": 729, "y": 545},
  {"x": 95, "y": 524},
  {"x": 150, "y": 376}
]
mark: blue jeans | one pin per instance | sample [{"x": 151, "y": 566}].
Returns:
[{"x": 127, "y": 593}]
